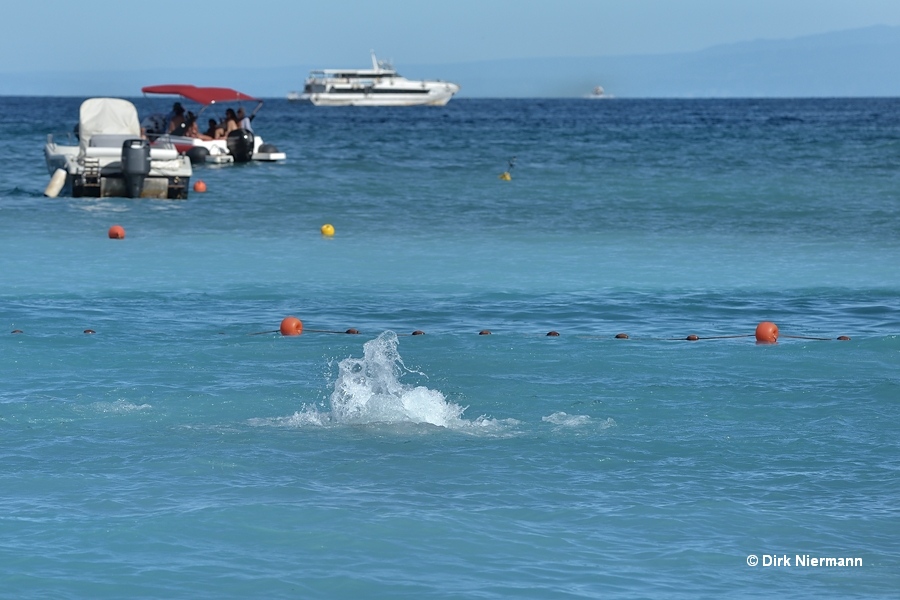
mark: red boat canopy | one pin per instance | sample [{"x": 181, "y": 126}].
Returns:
[{"x": 200, "y": 95}]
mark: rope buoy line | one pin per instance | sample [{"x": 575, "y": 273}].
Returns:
[
  {"x": 697, "y": 338},
  {"x": 766, "y": 333},
  {"x": 620, "y": 336}
]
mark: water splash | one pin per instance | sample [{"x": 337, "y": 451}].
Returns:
[{"x": 369, "y": 390}]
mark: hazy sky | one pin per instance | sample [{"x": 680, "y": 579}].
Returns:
[{"x": 54, "y": 35}]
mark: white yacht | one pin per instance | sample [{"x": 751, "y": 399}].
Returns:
[
  {"x": 379, "y": 86},
  {"x": 598, "y": 93},
  {"x": 110, "y": 157}
]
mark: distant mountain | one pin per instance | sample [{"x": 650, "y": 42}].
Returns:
[{"x": 858, "y": 62}]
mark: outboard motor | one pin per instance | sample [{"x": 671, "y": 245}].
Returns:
[
  {"x": 240, "y": 145},
  {"x": 135, "y": 166}
]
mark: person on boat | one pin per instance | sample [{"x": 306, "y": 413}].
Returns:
[
  {"x": 231, "y": 121},
  {"x": 175, "y": 119},
  {"x": 191, "y": 129},
  {"x": 215, "y": 131},
  {"x": 244, "y": 120}
]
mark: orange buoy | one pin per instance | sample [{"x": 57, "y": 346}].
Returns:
[
  {"x": 418, "y": 332},
  {"x": 621, "y": 336},
  {"x": 352, "y": 331},
  {"x": 766, "y": 333},
  {"x": 692, "y": 338},
  {"x": 484, "y": 332},
  {"x": 116, "y": 232},
  {"x": 291, "y": 326},
  {"x": 552, "y": 333},
  {"x": 844, "y": 338},
  {"x": 199, "y": 186}
]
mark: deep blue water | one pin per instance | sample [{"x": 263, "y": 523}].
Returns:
[{"x": 186, "y": 449}]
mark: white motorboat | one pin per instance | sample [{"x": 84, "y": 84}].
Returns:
[
  {"x": 598, "y": 93},
  {"x": 240, "y": 145},
  {"x": 379, "y": 86},
  {"x": 111, "y": 158}
]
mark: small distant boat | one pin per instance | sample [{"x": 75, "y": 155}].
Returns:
[
  {"x": 598, "y": 93},
  {"x": 111, "y": 158},
  {"x": 239, "y": 146},
  {"x": 379, "y": 86}
]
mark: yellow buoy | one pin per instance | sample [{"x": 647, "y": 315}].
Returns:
[{"x": 327, "y": 230}]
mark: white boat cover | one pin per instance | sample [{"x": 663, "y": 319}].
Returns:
[{"x": 107, "y": 115}]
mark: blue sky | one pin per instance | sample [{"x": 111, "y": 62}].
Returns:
[{"x": 92, "y": 35}]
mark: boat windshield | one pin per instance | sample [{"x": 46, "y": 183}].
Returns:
[{"x": 348, "y": 75}]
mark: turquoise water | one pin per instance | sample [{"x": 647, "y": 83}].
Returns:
[{"x": 188, "y": 450}]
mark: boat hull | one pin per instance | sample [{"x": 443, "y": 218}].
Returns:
[
  {"x": 379, "y": 86},
  {"x": 217, "y": 151},
  {"x": 169, "y": 176},
  {"x": 161, "y": 188},
  {"x": 376, "y": 99}
]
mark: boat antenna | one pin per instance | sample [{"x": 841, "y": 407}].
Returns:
[{"x": 505, "y": 175}]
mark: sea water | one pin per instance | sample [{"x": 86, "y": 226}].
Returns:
[{"x": 186, "y": 449}]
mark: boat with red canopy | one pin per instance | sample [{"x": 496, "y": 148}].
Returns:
[{"x": 238, "y": 145}]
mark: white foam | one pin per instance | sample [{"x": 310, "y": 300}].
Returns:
[
  {"x": 369, "y": 391},
  {"x": 118, "y": 407},
  {"x": 103, "y": 206},
  {"x": 566, "y": 420},
  {"x": 308, "y": 416}
]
